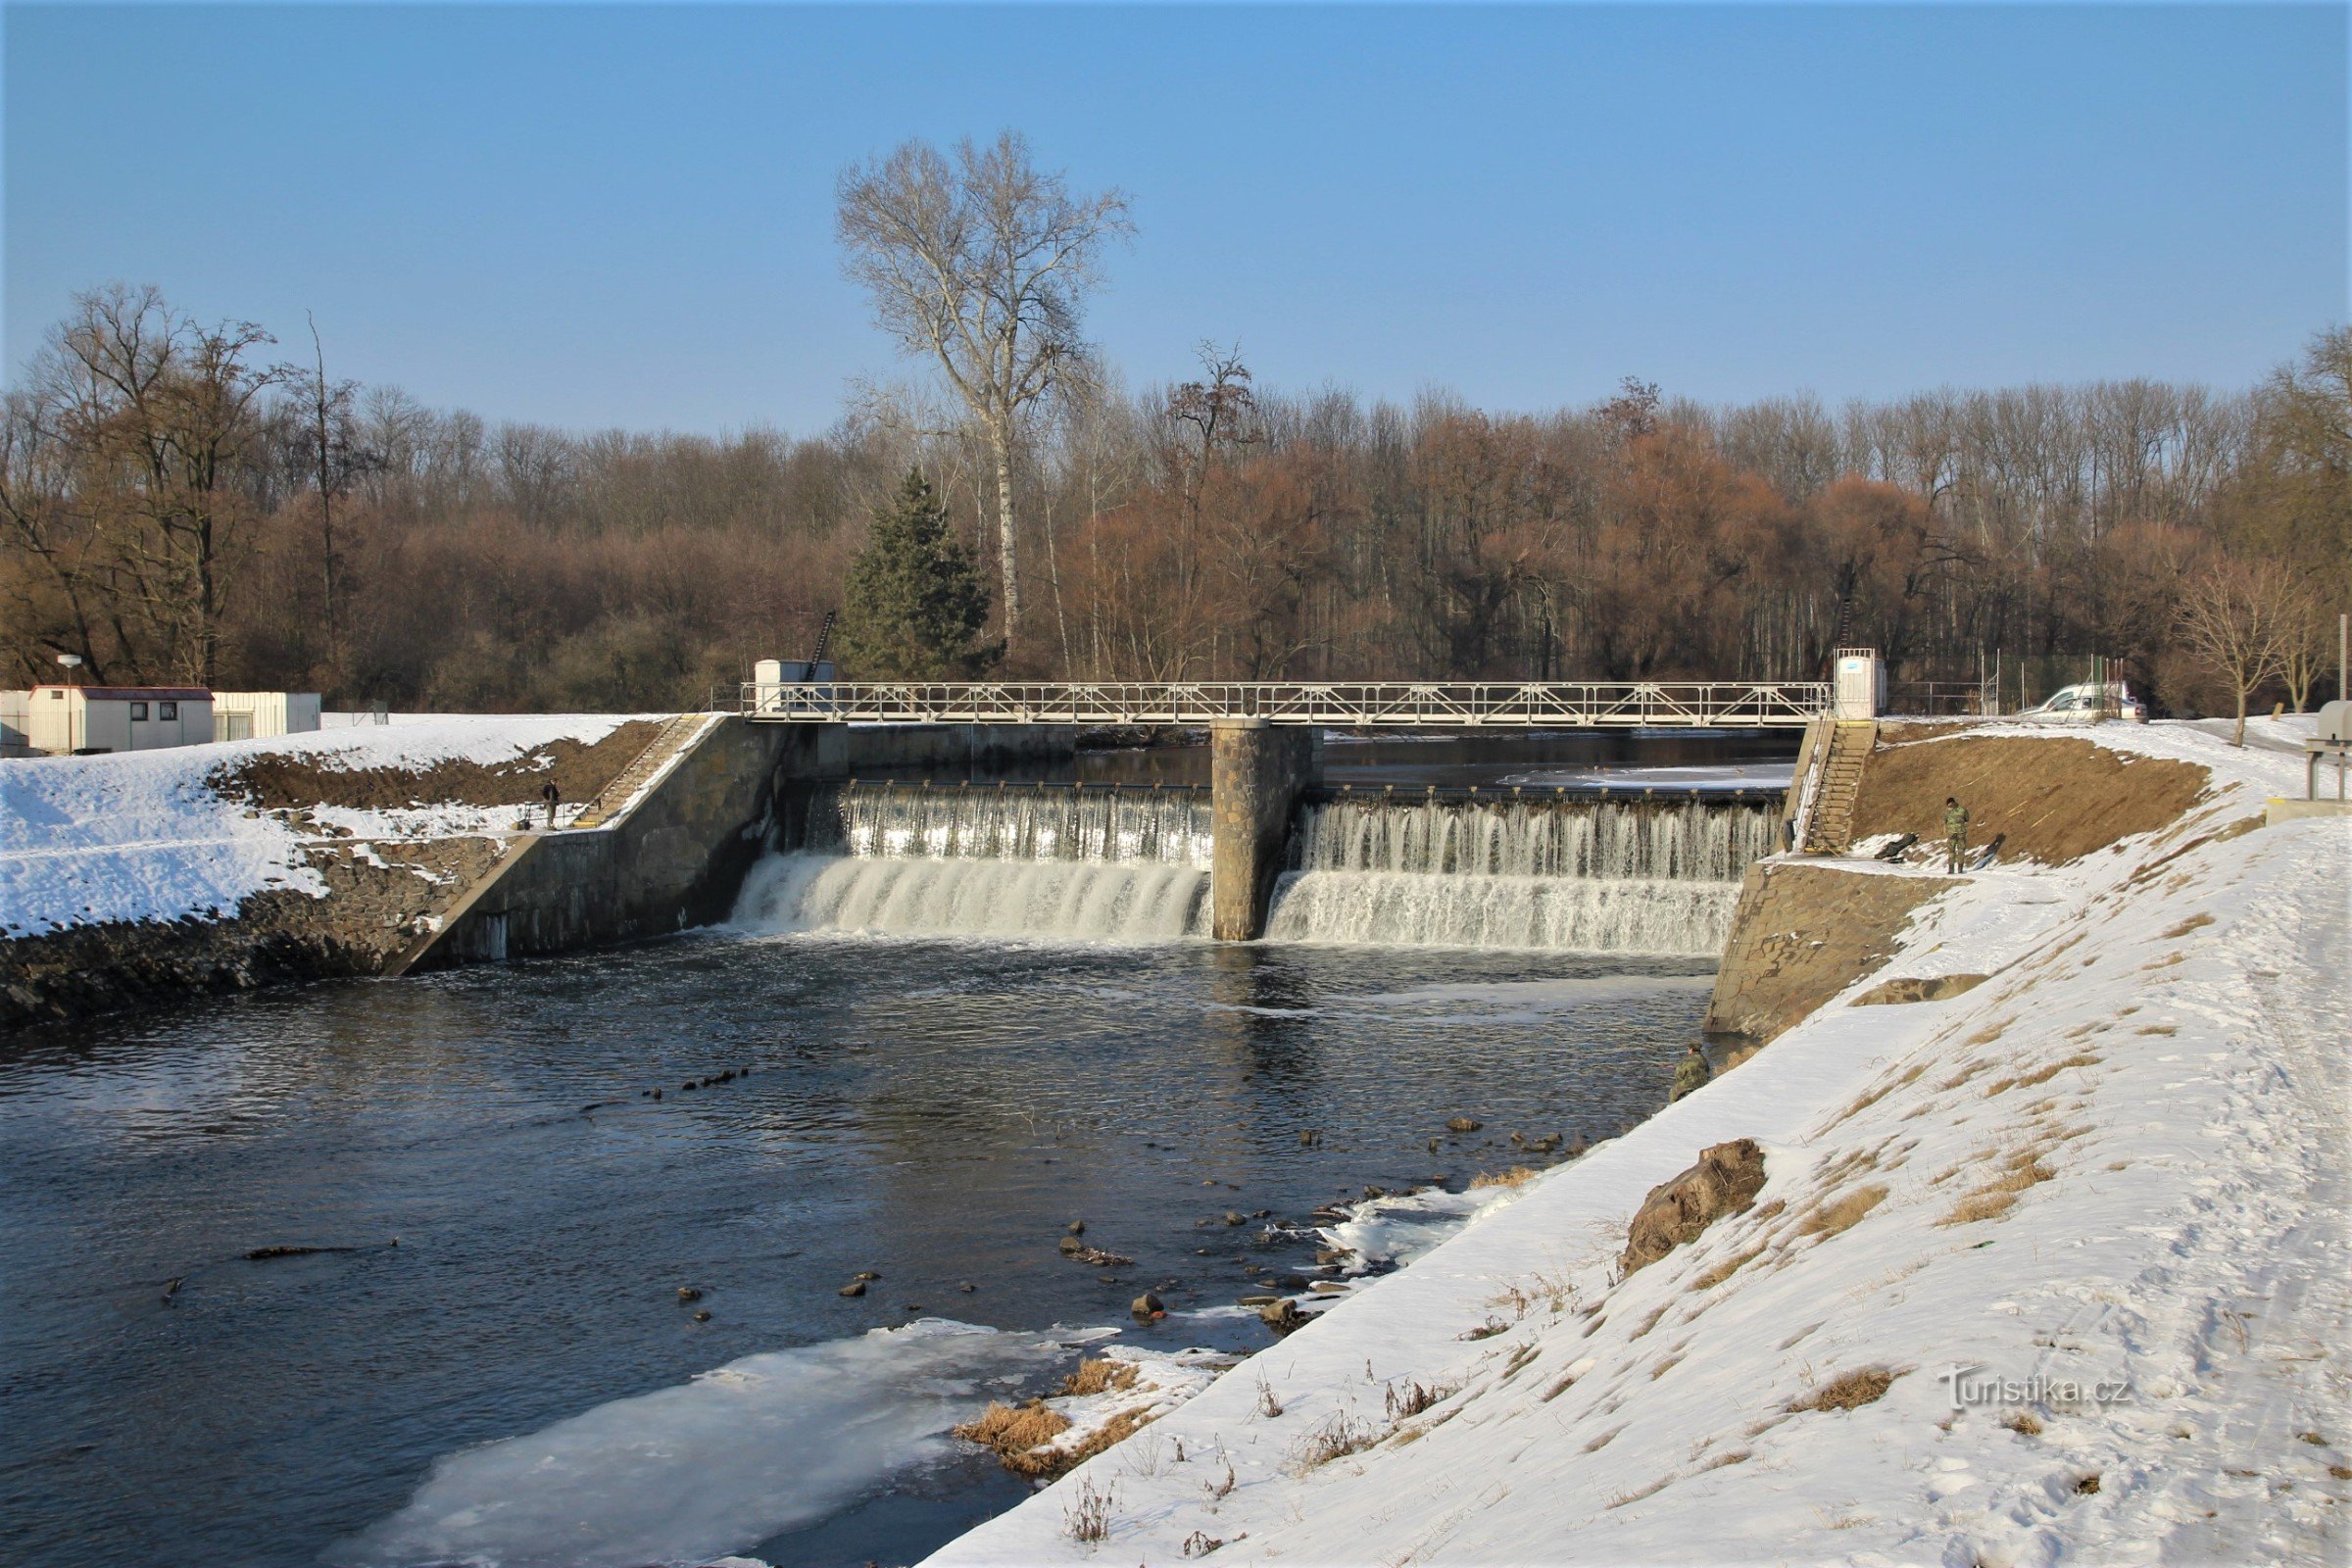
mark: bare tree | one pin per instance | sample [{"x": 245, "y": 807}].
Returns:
[
  {"x": 983, "y": 262},
  {"x": 163, "y": 412},
  {"x": 2234, "y": 620}
]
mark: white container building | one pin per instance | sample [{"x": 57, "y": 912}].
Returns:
[
  {"x": 64, "y": 719},
  {"x": 250, "y": 716}
]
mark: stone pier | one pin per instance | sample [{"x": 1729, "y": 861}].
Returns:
[{"x": 1256, "y": 772}]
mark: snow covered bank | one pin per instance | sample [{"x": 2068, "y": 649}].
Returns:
[
  {"x": 156, "y": 836},
  {"x": 2052, "y": 1269}
]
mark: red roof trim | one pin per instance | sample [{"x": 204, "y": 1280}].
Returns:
[{"x": 184, "y": 694}]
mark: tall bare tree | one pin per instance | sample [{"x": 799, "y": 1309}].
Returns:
[
  {"x": 2235, "y": 618},
  {"x": 983, "y": 262}
]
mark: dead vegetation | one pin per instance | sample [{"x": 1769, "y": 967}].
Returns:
[
  {"x": 1022, "y": 1438},
  {"x": 1848, "y": 1391},
  {"x": 1096, "y": 1376},
  {"x": 1835, "y": 1216},
  {"x": 2023, "y": 1169},
  {"x": 1516, "y": 1176}
]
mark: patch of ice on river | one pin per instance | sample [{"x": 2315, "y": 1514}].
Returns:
[
  {"x": 1399, "y": 1228},
  {"x": 685, "y": 1474}
]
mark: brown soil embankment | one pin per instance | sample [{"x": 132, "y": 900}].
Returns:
[
  {"x": 2053, "y": 800},
  {"x": 378, "y": 897},
  {"x": 293, "y": 780}
]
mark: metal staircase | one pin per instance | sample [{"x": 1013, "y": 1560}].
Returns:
[
  {"x": 1830, "y": 824},
  {"x": 669, "y": 741}
]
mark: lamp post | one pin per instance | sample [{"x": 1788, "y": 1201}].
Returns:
[{"x": 72, "y": 663}]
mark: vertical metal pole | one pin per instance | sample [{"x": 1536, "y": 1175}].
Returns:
[{"x": 2344, "y": 645}]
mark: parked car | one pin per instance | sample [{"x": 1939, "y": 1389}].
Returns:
[{"x": 2088, "y": 702}]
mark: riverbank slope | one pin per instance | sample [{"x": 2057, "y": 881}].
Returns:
[
  {"x": 2050, "y": 1267},
  {"x": 139, "y": 876}
]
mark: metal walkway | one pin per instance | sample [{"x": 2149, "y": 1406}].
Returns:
[{"x": 1386, "y": 705}]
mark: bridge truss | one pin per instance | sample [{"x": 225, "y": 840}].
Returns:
[{"x": 1373, "y": 705}]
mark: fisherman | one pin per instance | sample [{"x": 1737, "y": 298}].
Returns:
[
  {"x": 1692, "y": 1072},
  {"x": 550, "y": 795},
  {"x": 1955, "y": 832}
]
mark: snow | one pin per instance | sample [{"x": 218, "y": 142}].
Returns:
[
  {"x": 2141, "y": 1357},
  {"x": 141, "y": 835}
]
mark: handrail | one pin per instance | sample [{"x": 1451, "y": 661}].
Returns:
[{"x": 1404, "y": 705}]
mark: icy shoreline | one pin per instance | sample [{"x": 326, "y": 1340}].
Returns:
[{"x": 2086, "y": 1221}]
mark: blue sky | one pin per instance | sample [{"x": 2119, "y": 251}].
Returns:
[{"x": 621, "y": 215}]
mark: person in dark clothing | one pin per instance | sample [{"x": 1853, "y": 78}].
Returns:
[
  {"x": 550, "y": 795},
  {"x": 1955, "y": 832}
]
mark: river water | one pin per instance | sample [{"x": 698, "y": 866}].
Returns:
[{"x": 517, "y": 1382}]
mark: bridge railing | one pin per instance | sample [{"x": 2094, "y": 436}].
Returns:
[{"x": 1402, "y": 705}]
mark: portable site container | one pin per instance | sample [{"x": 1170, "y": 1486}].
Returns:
[
  {"x": 248, "y": 715},
  {"x": 64, "y": 719}
]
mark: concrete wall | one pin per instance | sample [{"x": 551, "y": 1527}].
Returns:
[
  {"x": 678, "y": 858},
  {"x": 1802, "y": 933},
  {"x": 1257, "y": 773}
]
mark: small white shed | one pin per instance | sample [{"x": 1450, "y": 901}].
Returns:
[
  {"x": 248, "y": 715},
  {"x": 64, "y": 719}
]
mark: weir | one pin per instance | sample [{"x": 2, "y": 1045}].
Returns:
[
  {"x": 1265, "y": 850},
  {"x": 1637, "y": 874},
  {"x": 1645, "y": 875}
]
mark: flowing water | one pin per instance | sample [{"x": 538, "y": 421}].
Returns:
[
  {"x": 1515, "y": 871},
  {"x": 953, "y": 1021}
]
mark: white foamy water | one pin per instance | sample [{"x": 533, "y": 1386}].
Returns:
[
  {"x": 1507, "y": 871},
  {"x": 1563, "y": 914},
  {"x": 1013, "y": 822},
  {"x": 686, "y": 1474},
  {"x": 1079, "y": 901}
]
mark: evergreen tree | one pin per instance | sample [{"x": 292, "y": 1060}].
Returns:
[{"x": 915, "y": 603}]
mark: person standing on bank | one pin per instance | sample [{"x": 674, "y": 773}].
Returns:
[
  {"x": 550, "y": 795},
  {"x": 1955, "y": 832}
]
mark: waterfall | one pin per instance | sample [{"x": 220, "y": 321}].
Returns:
[
  {"x": 1647, "y": 875},
  {"x": 1043, "y": 861}
]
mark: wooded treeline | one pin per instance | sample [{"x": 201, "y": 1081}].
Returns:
[{"x": 176, "y": 505}]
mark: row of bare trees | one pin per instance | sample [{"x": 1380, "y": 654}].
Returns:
[{"x": 176, "y": 505}]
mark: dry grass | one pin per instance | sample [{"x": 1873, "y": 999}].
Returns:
[
  {"x": 1340, "y": 1435},
  {"x": 1602, "y": 1441},
  {"x": 2023, "y": 1423},
  {"x": 1835, "y": 1217},
  {"x": 1651, "y": 1491},
  {"x": 1665, "y": 1366},
  {"x": 1094, "y": 1377},
  {"x": 1999, "y": 1195},
  {"x": 1647, "y": 1323},
  {"x": 2155, "y": 1029},
  {"x": 1014, "y": 1433},
  {"x": 1772, "y": 1210},
  {"x": 1516, "y": 1176},
  {"x": 1727, "y": 1268},
  {"x": 1848, "y": 1391},
  {"x": 2187, "y": 925}
]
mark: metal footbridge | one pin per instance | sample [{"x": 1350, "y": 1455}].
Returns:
[{"x": 1366, "y": 705}]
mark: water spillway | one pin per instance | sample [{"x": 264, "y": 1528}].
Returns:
[
  {"x": 1597, "y": 874},
  {"x": 1521, "y": 869},
  {"x": 1063, "y": 862}
]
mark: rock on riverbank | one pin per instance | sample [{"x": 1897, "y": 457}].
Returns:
[{"x": 2050, "y": 1266}]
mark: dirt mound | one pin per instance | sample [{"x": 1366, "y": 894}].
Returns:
[
  {"x": 287, "y": 780},
  {"x": 2055, "y": 799}
]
